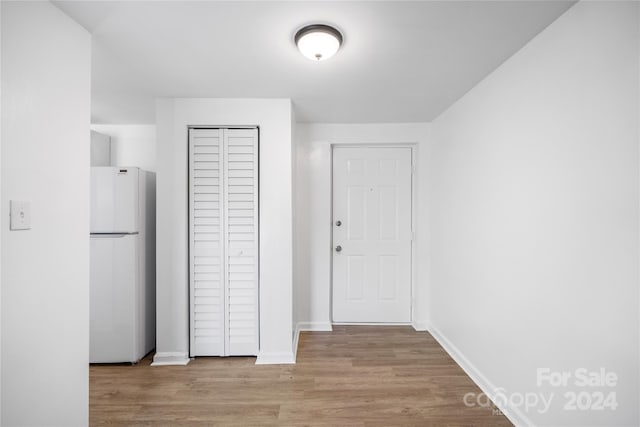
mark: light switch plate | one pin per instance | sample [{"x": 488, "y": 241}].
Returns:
[{"x": 20, "y": 215}]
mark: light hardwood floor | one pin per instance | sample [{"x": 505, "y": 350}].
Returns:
[{"x": 353, "y": 376}]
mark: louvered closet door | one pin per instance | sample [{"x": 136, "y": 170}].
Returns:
[
  {"x": 224, "y": 241},
  {"x": 207, "y": 290},
  {"x": 241, "y": 217}
]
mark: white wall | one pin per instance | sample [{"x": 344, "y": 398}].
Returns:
[
  {"x": 535, "y": 215},
  {"x": 313, "y": 213},
  {"x": 273, "y": 116},
  {"x": 131, "y": 145},
  {"x": 46, "y": 61},
  {"x": 119, "y": 92}
]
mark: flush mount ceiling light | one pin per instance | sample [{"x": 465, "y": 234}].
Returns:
[{"x": 318, "y": 41}]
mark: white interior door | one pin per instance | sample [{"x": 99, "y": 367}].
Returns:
[
  {"x": 206, "y": 237},
  {"x": 241, "y": 240},
  {"x": 223, "y": 206},
  {"x": 371, "y": 235}
]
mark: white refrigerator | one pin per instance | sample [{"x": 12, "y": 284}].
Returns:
[{"x": 122, "y": 279}]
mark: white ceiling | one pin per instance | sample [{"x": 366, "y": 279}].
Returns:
[{"x": 401, "y": 61}]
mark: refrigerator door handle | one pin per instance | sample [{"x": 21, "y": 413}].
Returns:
[{"x": 111, "y": 235}]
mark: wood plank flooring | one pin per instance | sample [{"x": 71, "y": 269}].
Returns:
[{"x": 354, "y": 376}]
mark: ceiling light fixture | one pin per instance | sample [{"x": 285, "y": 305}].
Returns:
[{"x": 318, "y": 41}]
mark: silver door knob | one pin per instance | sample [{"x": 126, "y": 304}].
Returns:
[
  {"x": 338, "y": 248},
  {"x": 338, "y": 223}
]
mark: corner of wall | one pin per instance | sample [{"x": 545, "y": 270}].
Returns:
[
  {"x": 495, "y": 394},
  {"x": 2, "y": 204},
  {"x": 420, "y": 325},
  {"x": 308, "y": 326},
  {"x": 294, "y": 226}
]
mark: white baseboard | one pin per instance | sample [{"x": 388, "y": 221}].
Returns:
[
  {"x": 296, "y": 338},
  {"x": 170, "y": 358},
  {"x": 275, "y": 359},
  {"x": 314, "y": 326},
  {"x": 308, "y": 326},
  {"x": 420, "y": 325},
  {"x": 371, "y": 324},
  {"x": 515, "y": 415}
]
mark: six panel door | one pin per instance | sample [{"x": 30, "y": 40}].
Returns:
[{"x": 371, "y": 235}]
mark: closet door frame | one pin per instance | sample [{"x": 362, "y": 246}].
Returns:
[{"x": 224, "y": 235}]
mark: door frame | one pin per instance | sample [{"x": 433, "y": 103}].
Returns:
[{"x": 414, "y": 204}]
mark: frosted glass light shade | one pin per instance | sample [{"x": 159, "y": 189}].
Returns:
[{"x": 318, "y": 42}]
